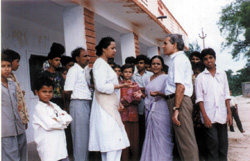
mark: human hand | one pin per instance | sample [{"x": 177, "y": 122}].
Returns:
[
  {"x": 154, "y": 93},
  {"x": 229, "y": 119},
  {"x": 175, "y": 118},
  {"x": 121, "y": 107},
  {"x": 137, "y": 94},
  {"x": 23, "y": 91},
  {"x": 207, "y": 122}
]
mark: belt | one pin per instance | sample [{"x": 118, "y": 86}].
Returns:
[{"x": 169, "y": 96}]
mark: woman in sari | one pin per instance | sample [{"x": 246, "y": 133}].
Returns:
[
  {"x": 107, "y": 132},
  {"x": 158, "y": 140}
]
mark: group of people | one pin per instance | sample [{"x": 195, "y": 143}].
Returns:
[{"x": 128, "y": 112}]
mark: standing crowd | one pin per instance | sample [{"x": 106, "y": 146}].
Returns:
[{"x": 142, "y": 110}]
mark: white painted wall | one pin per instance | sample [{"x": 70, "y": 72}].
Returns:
[
  {"x": 152, "y": 51},
  {"x": 74, "y": 33},
  {"x": 127, "y": 46},
  {"x": 27, "y": 37},
  {"x": 104, "y": 31}
]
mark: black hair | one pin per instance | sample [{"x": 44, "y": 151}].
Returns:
[
  {"x": 165, "y": 69},
  {"x": 11, "y": 53},
  {"x": 56, "y": 50},
  {"x": 208, "y": 51},
  {"x": 177, "y": 38},
  {"x": 116, "y": 66},
  {"x": 62, "y": 69},
  {"x": 130, "y": 60},
  {"x": 43, "y": 81},
  {"x": 5, "y": 57},
  {"x": 141, "y": 57},
  {"x": 66, "y": 59},
  {"x": 159, "y": 57},
  {"x": 199, "y": 66},
  {"x": 126, "y": 66},
  {"x": 195, "y": 53},
  {"x": 103, "y": 44},
  {"x": 147, "y": 61},
  {"x": 76, "y": 53}
]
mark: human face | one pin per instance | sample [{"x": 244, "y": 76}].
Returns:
[
  {"x": 83, "y": 58},
  {"x": 118, "y": 71},
  {"x": 195, "y": 59},
  {"x": 168, "y": 47},
  {"x": 209, "y": 61},
  {"x": 69, "y": 65},
  {"x": 140, "y": 65},
  {"x": 45, "y": 94},
  {"x": 156, "y": 66},
  {"x": 55, "y": 62},
  {"x": 127, "y": 73},
  {"x": 15, "y": 64},
  {"x": 64, "y": 74},
  {"x": 5, "y": 69},
  {"x": 110, "y": 51}
]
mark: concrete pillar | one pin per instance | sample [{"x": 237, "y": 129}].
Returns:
[
  {"x": 127, "y": 46},
  {"x": 74, "y": 33},
  {"x": 152, "y": 51}
]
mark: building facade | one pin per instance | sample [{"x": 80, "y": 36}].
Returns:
[{"x": 31, "y": 26}]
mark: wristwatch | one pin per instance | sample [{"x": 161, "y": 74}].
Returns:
[{"x": 175, "y": 108}]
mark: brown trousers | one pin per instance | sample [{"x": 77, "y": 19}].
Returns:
[
  {"x": 132, "y": 152},
  {"x": 184, "y": 134}
]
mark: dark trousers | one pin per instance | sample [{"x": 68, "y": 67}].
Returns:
[
  {"x": 201, "y": 142},
  {"x": 237, "y": 120},
  {"x": 142, "y": 127},
  {"x": 217, "y": 142},
  {"x": 132, "y": 152}
]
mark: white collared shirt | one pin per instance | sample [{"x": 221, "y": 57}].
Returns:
[
  {"x": 213, "y": 91},
  {"x": 77, "y": 83},
  {"x": 140, "y": 79},
  {"x": 180, "y": 71}
]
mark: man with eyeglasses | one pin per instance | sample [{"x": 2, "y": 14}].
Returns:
[{"x": 78, "y": 101}]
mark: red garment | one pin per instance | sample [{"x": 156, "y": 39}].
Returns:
[{"x": 130, "y": 103}]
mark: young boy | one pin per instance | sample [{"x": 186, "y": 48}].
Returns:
[
  {"x": 22, "y": 109},
  {"x": 129, "y": 114},
  {"x": 212, "y": 95},
  {"x": 49, "y": 122},
  {"x": 117, "y": 69},
  {"x": 14, "y": 143}
]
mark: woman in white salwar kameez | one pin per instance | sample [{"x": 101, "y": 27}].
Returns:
[{"x": 107, "y": 132}]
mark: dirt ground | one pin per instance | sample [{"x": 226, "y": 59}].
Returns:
[{"x": 239, "y": 144}]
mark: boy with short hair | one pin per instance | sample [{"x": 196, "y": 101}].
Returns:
[
  {"x": 212, "y": 95},
  {"x": 129, "y": 114},
  {"x": 14, "y": 143},
  {"x": 49, "y": 122},
  {"x": 22, "y": 108}
]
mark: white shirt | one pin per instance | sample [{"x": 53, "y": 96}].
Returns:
[
  {"x": 213, "y": 91},
  {"x": 180, "y": 71},
  {"x": 140, "y": 80},
  {"x": 233, "y": 102},
  {"x": 49, "y": 134},
  {"x": 105, "y": 133},
  {"x": 77, "y": 83}
]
